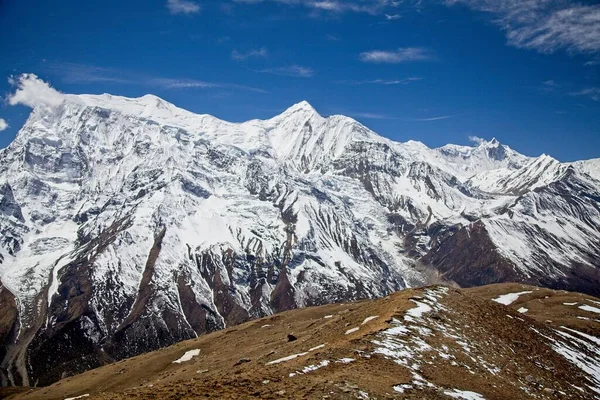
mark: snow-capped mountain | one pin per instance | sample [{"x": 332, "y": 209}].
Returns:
[{"x": 129, "y": 224}]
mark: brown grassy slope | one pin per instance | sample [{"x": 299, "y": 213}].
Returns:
[
  {"x": 548, "y": 306},
  {"x": 465, "y": 343}
]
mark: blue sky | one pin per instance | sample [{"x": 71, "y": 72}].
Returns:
[{"x": 438, "y": 71}]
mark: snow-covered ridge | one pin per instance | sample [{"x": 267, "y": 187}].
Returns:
[{"x": 299, "y": 134}]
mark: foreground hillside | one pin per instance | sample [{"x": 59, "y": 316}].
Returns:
[{"x": 505, "y": 341}]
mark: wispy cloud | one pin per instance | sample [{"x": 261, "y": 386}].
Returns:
[
  {"x": 296, "y": 71},
  {"x": 79, "y": 73},
  {"x": 592, "y": 93},
  {"x": 544, "y": 25},
  {"x": 367, "y": 115},
  {"x": 169, "y": 83},
  {"x": 335, "y": 6},
  {"x": 401, "y": 55},
  {"x": 257, "y": 53},
  {"x": 182, "y": 7},
  {"x": 549, "y": 86},
  {"x": 404, "y": 81},
  {"x": 432, "y": 118},
  {"x": 392, "y": 17},
  {"x": 3, "y": 124}
]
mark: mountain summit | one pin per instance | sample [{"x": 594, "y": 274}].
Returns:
[{"x": 130, "y": 224}]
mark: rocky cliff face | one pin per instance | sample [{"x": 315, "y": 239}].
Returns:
[{"x": 129, "y": 224}]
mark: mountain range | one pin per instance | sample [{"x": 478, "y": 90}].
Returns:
[{"x": 127, "y": 225}]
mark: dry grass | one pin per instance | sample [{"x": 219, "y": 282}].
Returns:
[{"x": 233, "y": 363}]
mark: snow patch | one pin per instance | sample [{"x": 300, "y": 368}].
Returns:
[
  {"x": 510, "y": 298},
  {"x": 464, "y": 394},
  {"x": 402, "y": 388},
  {"x": 585, "y": 307},
  {"x": 187, "y": 356},
  {"x": 293, "y": 356},
  {"x": 78, "y": 397}
]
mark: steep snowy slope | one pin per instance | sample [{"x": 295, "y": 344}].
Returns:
[
  {"x": 130, "y": 224},
  {"x": 536, "y": 173},
  {"x": 467, "y": 161},
  {"x": 589, "y": 167}
]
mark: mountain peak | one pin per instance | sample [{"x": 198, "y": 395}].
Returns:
[
  {"x": 303, "y": 106},
  {"x": 487, "y": 143}
]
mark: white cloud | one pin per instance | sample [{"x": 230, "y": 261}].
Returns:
[
  {"x": 182, "y": 7},
  {"x": 31, "y": 91},
  {"x": 258, "y": 53},
  {"x": 476, "y": 139},
  {"x": 3, "y": 124},
  {"x": 402, "y": 55},
  {"x": 296, "y": 71},
  {"x": 544, "y": 25}
]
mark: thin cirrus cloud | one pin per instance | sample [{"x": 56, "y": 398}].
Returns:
[
  {"x": 432, "y": 118},
  {"x": 168, "y": 83},
  {"x": 3, "y": 124},
  {"x": 81, "y": 73},
  {"x": 593, "y": 93},
  {"x": 335, "y": 6},
  {"x": 389, "y": 82},
  {"x": 544, "y": 25},
  {"x": 295, "y": 71},
  {"x": 401, "y": 55},
  {"x": 84, "y": 74},
  {"x": 257, "y": 53},
  {"x": 182, "y": 7},
  {"x": 367, "y": 115}
]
